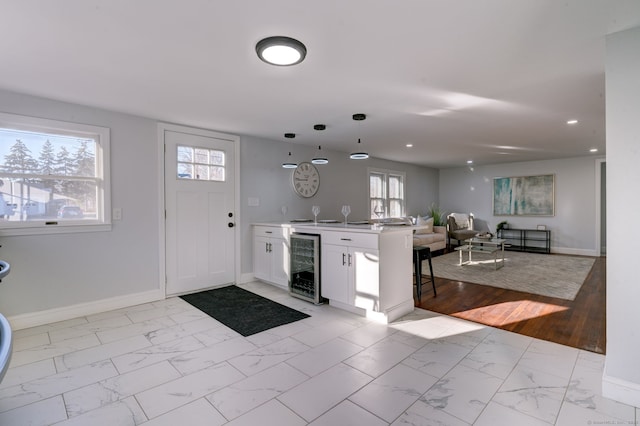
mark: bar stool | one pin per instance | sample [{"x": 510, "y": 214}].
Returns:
[{"x": 421, "y": 253}]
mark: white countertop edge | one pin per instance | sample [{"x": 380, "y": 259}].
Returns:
[{"x": 310, "y": 227}]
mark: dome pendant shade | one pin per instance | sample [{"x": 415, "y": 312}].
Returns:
[{"x": 281, "y": 51}]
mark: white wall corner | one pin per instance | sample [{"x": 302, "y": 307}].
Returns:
[
  {"x": 620, "y": 390},
  {"x": 35, "y": 319},
  {"x": 246, "y": 277}
]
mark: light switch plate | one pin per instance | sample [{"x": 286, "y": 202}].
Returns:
[{"x": 117, "y": 214}]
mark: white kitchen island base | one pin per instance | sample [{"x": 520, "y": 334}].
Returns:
[
  {"x": 386, "y": 317},
  {"x": 367, "y": 270}
]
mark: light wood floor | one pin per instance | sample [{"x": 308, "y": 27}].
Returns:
[{"x": 579, "y": 323}]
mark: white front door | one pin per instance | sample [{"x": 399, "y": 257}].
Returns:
[{"x": 200, "y": 210}]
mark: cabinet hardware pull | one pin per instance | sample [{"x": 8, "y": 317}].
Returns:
[
  {"x": 349, "y": 259},
  {"x": 266, "y": 247},
  {"x": 343, "y": 259},
  {"x": 268, "y": 232},
  {"x": 345, "y": 239},
  {"x": 270, "y": 247}
]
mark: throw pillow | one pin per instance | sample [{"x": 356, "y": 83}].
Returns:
[{"x": 425, "y": 226}]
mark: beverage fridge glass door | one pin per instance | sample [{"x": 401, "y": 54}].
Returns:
[{"x": 304, "y": 265}]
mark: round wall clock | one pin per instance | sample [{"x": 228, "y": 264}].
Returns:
[{"x": 306, "y": 180}]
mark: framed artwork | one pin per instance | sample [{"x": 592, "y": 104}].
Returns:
[{"x": 524, "y": 196}]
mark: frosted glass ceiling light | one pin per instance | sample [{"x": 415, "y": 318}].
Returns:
[
  {"x": 281, "y": 51},
  {"x": 359, "y": 155}
]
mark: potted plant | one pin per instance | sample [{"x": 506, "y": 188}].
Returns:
[
  {"x": 501, "y": 225},
  {"x": 439, "y": 217}
]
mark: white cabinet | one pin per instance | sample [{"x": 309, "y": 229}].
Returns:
[
  {"x": 271, "y": 255},
  {"x": 369, "y": 273},
  {"x": 350, "y": 274}
]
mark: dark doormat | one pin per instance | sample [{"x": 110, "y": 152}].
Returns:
[{"x": 241, "y": 310}]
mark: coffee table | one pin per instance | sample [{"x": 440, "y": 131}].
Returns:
[{"x": 492, "y": 246}]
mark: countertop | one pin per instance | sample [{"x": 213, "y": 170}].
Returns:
[{"x": 311, "y": 226}]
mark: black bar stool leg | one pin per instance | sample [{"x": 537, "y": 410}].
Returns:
[{"x": 433, "y": 281}]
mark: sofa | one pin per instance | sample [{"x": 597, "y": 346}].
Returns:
[{"x": 426, "y": 234}]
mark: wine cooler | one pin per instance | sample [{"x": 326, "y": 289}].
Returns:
[{"x": 304, "y": 281}]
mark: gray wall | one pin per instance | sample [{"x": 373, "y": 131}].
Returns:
[
  {"x": 51, "y": 271},
  {"x": 573, "y": 228},
  {"x": 62, "y": 270},
  {"x": 342, "y": 181}
]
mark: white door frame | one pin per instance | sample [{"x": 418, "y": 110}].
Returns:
[
  {"x": 162, "y": 127},
  {"x": 599, "y": 162}
]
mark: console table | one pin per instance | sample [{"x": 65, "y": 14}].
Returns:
[{"x": 531, "y": 240}]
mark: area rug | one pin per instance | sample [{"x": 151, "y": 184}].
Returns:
[
  {"x": 544, "y": 274},
  {"x": 243, "y": 311}
]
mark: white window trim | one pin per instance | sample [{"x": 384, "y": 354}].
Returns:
[
  {"x": 386, "y": 172},
  {"x": 52, "y": 226}
]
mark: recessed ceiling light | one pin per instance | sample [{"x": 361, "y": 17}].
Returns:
[
  {"x": 281, "y": 51},
  {"x": 572, "y": 122},
  {"x": 469, "y": 161},
  {"x": 593, "y": 150},
  {"x": 409, "y": 145}
]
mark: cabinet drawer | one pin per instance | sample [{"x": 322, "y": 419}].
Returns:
[
  {"x": 353, "y": 239},
  {"x": 270, "y": 231}
]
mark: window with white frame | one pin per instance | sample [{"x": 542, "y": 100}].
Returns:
[
  {"x": 386, "y": 193},
  {"x": 54, "y": 176}
]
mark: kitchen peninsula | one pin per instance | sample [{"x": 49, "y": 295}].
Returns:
[{"x": 365, "y": 269}]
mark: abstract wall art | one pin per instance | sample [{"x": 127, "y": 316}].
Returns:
[{"x": 524, "y": 196}]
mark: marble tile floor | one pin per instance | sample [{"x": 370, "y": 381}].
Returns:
[{"x": 167, "y": 363}]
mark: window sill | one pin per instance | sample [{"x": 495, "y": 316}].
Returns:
[{"x": 54, "y": 229}]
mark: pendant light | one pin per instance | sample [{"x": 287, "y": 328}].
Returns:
[
  {"x": 319, "y": 159},
  {"x": 289, "y": 164},
  {"x": 359, "y": 155}
]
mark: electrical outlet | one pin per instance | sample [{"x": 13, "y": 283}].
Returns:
[{"x": 117, "y": 214}]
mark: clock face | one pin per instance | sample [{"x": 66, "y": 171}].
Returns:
[{"x": 306, "y": 180}]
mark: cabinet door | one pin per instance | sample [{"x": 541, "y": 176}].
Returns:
[
  {"x": 366, "y": 278},
  {"x": 279, "y": 261},
  {"x": 335, "y": 273},
  {"x": 261, "y": 258}
]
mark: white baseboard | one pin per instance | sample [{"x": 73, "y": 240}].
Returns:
[
  {"x": 246, "y": 277},
  {"x": 621, "y": 390},
  {"x": 574, "y": 251},
  {"x": 34, "y": 319}
]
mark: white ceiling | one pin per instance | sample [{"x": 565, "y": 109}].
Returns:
[{"x": 488, "y": 80}]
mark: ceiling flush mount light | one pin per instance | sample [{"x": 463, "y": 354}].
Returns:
[
  {"x": 319, "y": 159},
  {"x": 289, "y": 164},
  {"x": 572, "y": 121},
  {"x": 359, "y": 155},
  {"x": 281, "y": 51},
  {"x": 319, "y": 126},
  {"x": 593, "y": 150},
  {"x": 409, "y": 145},
  {"x": 289, "y": 135}
]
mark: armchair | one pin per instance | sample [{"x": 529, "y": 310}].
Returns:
[{"x": 459, "y": 227}]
